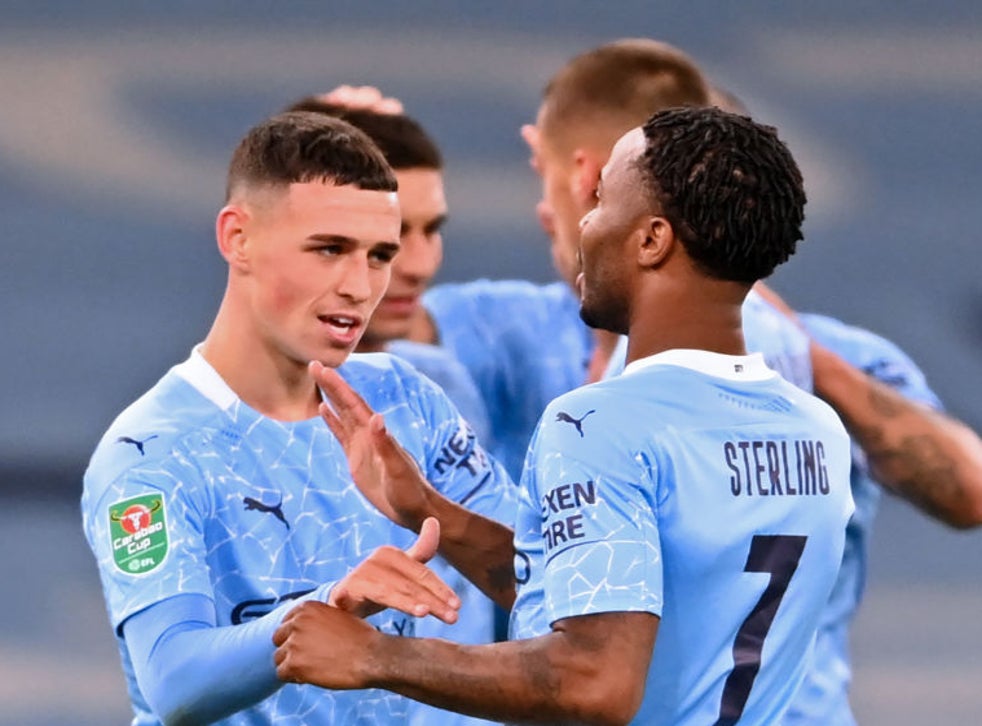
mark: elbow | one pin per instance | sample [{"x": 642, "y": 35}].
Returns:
[
  {"x": 609, "y": 699},
  {"x": 968, "y": 516}
]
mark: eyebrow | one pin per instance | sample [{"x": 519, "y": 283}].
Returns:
[{"x": 351, "y": 241}]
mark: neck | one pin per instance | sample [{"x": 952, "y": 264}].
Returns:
[
  {"x": 698, "y": 317},
  {"x": 603, "y": 349},
  {"x": 263, "y": 377}
]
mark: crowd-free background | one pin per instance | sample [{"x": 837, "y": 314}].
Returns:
[{"x": 116, "y": 121}]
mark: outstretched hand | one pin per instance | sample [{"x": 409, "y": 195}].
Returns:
[
  {"x": 391, "y": 578},
  {"x": 383, "y": 471}
]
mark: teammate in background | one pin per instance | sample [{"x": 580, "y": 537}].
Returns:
[
  {"x": 418, "y": 167},
  {"x": 901, "y": 441},
  {"x": 495, "y": 328},
  {"x": 236, "y": 500},
  {"x": 699, "y": 499}
]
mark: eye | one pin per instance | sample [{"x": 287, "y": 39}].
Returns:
[
  {"x": 383, "y": 255},
  {"x": 330, "y": 249}
]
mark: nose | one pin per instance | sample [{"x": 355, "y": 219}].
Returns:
[
  {"x": 355, "y": 279},
  {"x": 420, "y": 257}
]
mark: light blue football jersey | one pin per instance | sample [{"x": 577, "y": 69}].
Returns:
[
  {"x": 523, "y": 344},
  {"x": 192, "y": 491},
  {"x": 704, "y": 489},
  {"x": 766, "y": 330},
  {"x": 476, "y": 617},
  {"x": 823, "y": 699}
]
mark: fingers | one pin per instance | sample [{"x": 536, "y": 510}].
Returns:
[
  {"x": 391, "y": 578},
  {"x": 426, "y": 544},
  {"x": 346, "y": 403},
  {"x": 363, "y": 97}
]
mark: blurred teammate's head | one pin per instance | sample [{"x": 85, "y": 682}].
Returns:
[
  {"x": 418, "y": 166},
  {"x": 586, "y": 107},
  {"x": 309, "y": 229},
  {"x": 702, "y": 193}
]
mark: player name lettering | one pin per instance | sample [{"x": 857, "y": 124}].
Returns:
[
  {"x": 138, "y": 540},
  {"x": 559, "y": 527},
  {"x": 777, "y": 468}
]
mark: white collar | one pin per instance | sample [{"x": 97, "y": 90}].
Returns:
[
  {"x": 200, "y": 374},
  {"x": 731, "y": 367}
]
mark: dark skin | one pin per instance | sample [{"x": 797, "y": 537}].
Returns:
[
  {"x": 590, "y": 668},
  {"x": 928, "y": 458}
]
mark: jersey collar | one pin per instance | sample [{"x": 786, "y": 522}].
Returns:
[
  {"x": 731, "y": 367},
  {"x": 205, "y": 379}
]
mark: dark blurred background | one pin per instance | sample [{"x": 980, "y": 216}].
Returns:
[{"x": 117, "y": 119}]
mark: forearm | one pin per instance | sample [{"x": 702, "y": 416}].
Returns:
[
  {"x": 918, "y": 453},
  {"x": 541, "y": 680},
  {"x": 192, "y": 671},
  {"x": 480, "y": 548}
]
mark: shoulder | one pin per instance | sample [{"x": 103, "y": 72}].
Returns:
[
  {"x": 875, "y": 355},
  {"x": 147, "y": 435},
  {"x": 498, "y": 292},
  {"x": 387, "y": 381}
]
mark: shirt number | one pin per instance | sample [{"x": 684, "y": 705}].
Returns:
[{"x": 777, "y": 554}]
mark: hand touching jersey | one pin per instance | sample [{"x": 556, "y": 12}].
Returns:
[
  {"x": 477, "y": 546},
  {"x": 381, "y": 468}
]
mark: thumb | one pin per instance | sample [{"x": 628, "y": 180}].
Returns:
[{"x": 425, "y": 546}]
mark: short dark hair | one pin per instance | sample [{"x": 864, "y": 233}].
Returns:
[
  {"x": 403, "y": 141},
  {"x": 619, "y": 85},
  {"x": 300, "y": 147},
  {"x": 730, "y": 188}
]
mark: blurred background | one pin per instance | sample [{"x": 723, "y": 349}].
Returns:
[{"x": 116, "y": 122}]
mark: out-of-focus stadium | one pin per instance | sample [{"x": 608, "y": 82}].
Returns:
[{"x": 116, "y": 121}]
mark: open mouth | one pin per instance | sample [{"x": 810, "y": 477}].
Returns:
[{"x": 342, "y": 326}]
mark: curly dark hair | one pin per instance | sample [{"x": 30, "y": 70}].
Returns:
[
  {"x": 730, "y": 188},
  {"x": 304, "y": 146}
]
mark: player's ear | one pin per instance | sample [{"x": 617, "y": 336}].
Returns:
[
  {"x": 230, "y": 232},
  {"x": 586, "y": 177},
  {"x": 656, "y": 241}
]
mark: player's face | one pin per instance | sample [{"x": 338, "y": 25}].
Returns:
[
  {"x": 557, "y": 211},
  {"x": 424, "y": 210},
  {"x": 606, "y": 236},
  {"x": 319, "y": 257}
]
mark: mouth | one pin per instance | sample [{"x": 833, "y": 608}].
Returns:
[{"x": 343, "y": 329}]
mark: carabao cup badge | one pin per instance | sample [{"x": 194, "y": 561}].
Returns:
[{"x": 138, "y": 533}]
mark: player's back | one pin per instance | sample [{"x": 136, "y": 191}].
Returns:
[{"x": 714, "y": 498}]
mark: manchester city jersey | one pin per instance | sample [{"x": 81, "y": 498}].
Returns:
[
  {"x": 708, "y": 491},
  {"x": 192, "y": 491},
  {"x": 823, "y": 698},
  {"x": 523, "y": 344}
]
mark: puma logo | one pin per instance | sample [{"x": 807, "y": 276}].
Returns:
[
  {"x": 136, "y": 442},
  {"x": 276, "y": 509},
  {"x": 577, "y": 422}
]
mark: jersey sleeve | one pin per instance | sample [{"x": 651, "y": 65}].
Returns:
[
  {"x": 145, "y": 530},
  {"x": 600, "y": 547}
]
